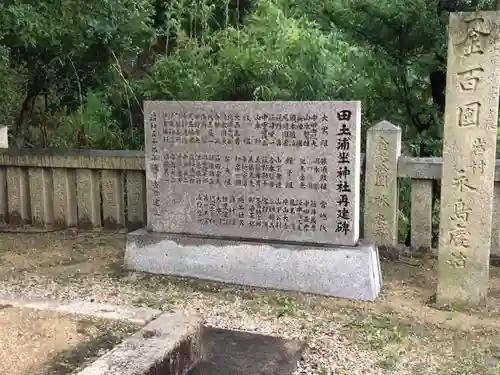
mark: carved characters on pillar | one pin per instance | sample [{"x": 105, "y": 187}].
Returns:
[
  {"x": 382, "y": 168},
  {"x": 459, "y": 235},
  {"x": 154, "y": 169},
  {"x": 469, "y": 120},
  {"x": 476, "y": 39},
  {"x": 469, "y": 114},
  {"x": 468, "y": 79},
  {"x": 344, "y": 137},
  {"x": 381, "y": 227},
  {"x": 381, "y": 199},
  {"x": 477, "y": 155}
]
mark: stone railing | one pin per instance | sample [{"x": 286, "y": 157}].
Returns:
[{"x": 66, "y": 188}]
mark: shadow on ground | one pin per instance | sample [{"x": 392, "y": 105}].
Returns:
[
  {"x": 242, "y": 353},
  {"x": 67, "y": 361}
]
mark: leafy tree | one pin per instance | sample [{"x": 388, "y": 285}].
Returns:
[{"x": 68, "y": 46}]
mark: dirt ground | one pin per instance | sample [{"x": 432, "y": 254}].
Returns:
[
  {"x": 49, "y": 343},
  {"x": 402, "y": 326}
]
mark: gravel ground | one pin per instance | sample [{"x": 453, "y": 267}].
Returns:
[
  {"x": 48, "y": 343},
  {"x": 400, "y": 333}
]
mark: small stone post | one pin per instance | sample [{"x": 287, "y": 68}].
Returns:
[
  {"x": 4, "y": 143},
  {"x": 469, "y": 145},
  {"x": 383, "y": 147},
  {"x": 4, "y": 137}
]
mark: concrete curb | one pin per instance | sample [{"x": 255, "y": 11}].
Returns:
[
  {"x": 169, "y": 345},
  {"x": 140, "y": 316}
]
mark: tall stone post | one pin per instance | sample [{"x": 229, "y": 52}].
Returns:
[
  {"x": 470, "y": 130},
  {"x": 383, "y": 147}
]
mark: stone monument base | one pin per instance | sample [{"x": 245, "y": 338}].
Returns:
[{"x": 345, "y": 272}]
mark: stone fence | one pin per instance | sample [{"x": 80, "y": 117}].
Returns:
[
  {"x": 66, "y": 188},
  {"x": 107, "y": 189}
]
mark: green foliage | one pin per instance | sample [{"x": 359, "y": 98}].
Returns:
[
  {"x": 97, "y": 126},
  {"x": 66, "y": 45}
]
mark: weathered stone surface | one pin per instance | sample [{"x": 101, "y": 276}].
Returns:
[
  {"x": 4, "y": 210},
  {"x": 135, "y": 315},
  {"x": 88, "y": 198},
  {"x": 244, "y": 353},
  {"x": 170, "y": 344},
  {"x": 495, "y": 229},
  {"x": 4, "y": 204},
  {"x": 18, "y": 194},
  {"x": 136, "y": 199},
  {"x": 75, "y": 158},
  {"x": 346, "y": 272},
  {"x": 421, "y": 213},
  {"x": 4, "y": 136},
  {"x": 470, "y": 132},
  {"x": 268, "y": 170},
  {"x": 65, "y": 188},
  {"x": 383, "y": 147},
  {"x": 41, "y": 197},
  {"x": 113, "y": 200}
]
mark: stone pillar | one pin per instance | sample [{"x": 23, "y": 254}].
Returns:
[
  {"x": 113, "y": 199},
  {"x": 383, "y": 147},
  {"x": 65, "y": 203},
  {"x": 136, "y": 199},
  {"x": 469, "y": 145},
  {"x": 421, "y": 214},
  {"x": 88, "y": 199},
  {"x": 4, "y": 136},
  {"x": 495, "y": 228},
  {"x": 41, "y": 190},
  {"x": 4, "y": 143}
]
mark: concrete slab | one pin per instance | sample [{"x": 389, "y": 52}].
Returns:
[
  {"x": 243, "y": 353},
  {"x": 346, "y": 272},
  {"x": 135, "y": 315},
  {"x": 170, "y": 345}
]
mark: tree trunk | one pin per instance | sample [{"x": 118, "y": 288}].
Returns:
[
  {"x": 438, "y": 88},
  {"x": 25, "y": 115}
]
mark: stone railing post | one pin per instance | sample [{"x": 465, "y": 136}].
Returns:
[
  {"x": 4, "y": 143},
  {"x": 383, "y": 147}
]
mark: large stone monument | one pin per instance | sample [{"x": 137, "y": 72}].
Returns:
[
  {"x": 470, "y": 133},
  {"x": 256, "y": 193}
]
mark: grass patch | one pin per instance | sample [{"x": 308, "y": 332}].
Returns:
[{"x": 376, "y": 330}]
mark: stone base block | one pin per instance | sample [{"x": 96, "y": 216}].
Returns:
[{"x": 345, "y": 272}]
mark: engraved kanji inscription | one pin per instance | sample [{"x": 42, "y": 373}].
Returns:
[
  {"x": 344, "y": 115},
  {"x": 459, "y": 236},
  {"x": 469, "y": 79},
  {"x": 381, "y": 200},
  {"x": 380, "y": 226},
  {"x": 458, "y": 259},
  {"x": 478, "y": 166},
  {"x": 469, "y": 114},
  {"x": 381, "y": 175},
  {"x": 273, "y": 171},
  {"x": 383, "y": 149},
  {"x": 461, "y": 182},
  {"x": 476, "y": 39},
  {"x": 478, "y": 146},
  {"x": 462, "y": 212}
]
